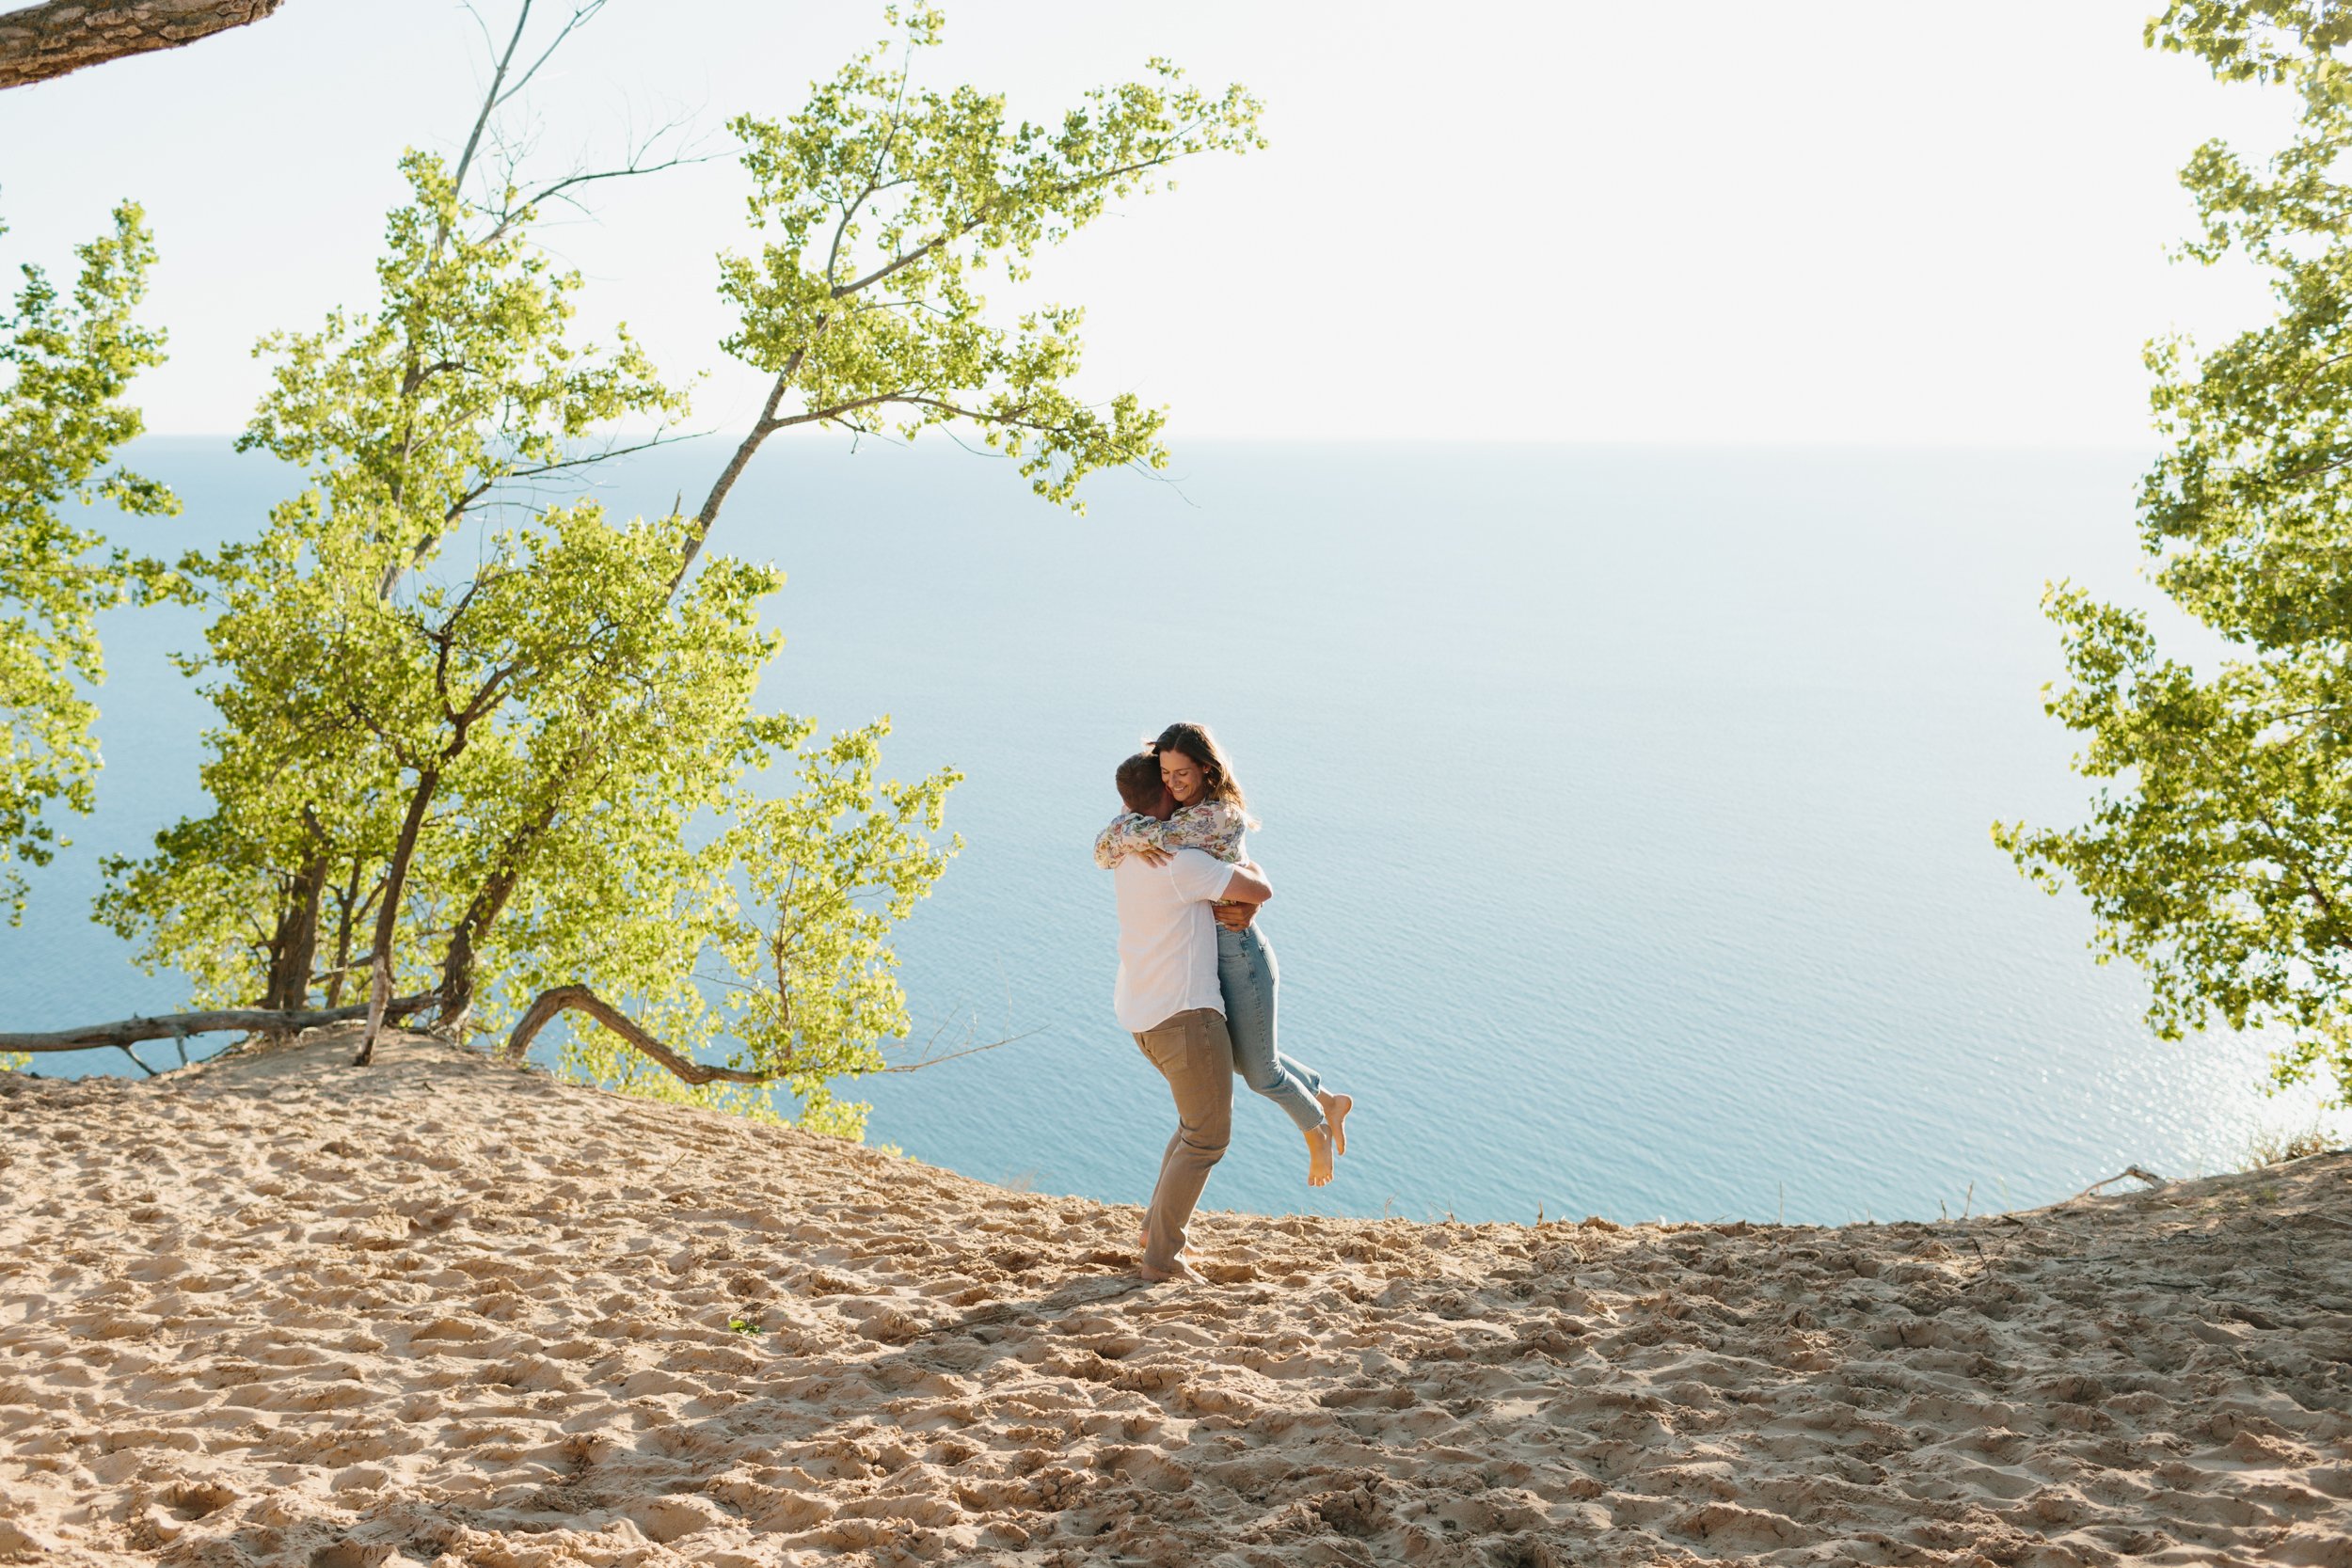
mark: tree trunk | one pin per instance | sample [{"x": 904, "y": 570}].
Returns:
[
  {"x": 545, "y": 1007},
  {"x": 45, "y": 40},
  {"x": 388, "y": 914},
  {"x": 347, "y": 912},
  {"x": 489, "y": 902},
  {"x": 763, "y": 427},
  {"x": 293, "y": 946},
  {"x": 457, "y": 973}
]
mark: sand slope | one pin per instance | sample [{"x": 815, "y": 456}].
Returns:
[{"x": 286, "y": 1312}]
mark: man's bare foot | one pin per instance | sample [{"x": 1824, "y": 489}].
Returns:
[
  {"x": 1180, "y": 1272},
  {"x": 1335, "y": 1109},
  {"x": 1319, "y": 1152}
]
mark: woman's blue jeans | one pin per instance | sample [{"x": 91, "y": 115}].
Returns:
[{"x": 1244, "y": 970}]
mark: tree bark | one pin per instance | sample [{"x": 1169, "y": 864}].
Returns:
[
  {"x": 172, "y": 1025},
  {"x": 41, "y": 41},
  {"x": 388, "y": 914},
  {"x": 489, "y": 902},
  {"x": 545, "y": 1007},
  {"x": 293, "y": 945},
  {"x": 763, "y": 427},
  {"x": 348, "y": 911}
]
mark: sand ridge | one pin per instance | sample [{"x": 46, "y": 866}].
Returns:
[{"x": 283, "y": 1310}]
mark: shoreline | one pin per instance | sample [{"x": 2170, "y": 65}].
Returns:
[
  {"x": 275, "y": 1308},
  {"x": 2268, "y": 1138}
]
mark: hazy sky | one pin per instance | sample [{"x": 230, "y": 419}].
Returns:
[{"x": 1882, "y": 222}]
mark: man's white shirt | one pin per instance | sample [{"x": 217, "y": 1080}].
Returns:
[{"x": 1167, "y": 938}]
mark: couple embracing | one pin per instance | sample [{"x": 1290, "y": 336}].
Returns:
[{"x": 1196, "y": 977}]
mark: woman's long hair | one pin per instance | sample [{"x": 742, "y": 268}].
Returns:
[{"x": 1195, "y": 743}]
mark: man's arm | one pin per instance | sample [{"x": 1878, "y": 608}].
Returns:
[
  {"x": 1249, "y": 886},
  {"x": 1197, "y": 874}
]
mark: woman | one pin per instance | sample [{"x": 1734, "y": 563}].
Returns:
[{"x": 1213, "y": 815}]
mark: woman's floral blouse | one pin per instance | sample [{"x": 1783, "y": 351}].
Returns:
[{"x": 1216, "y": 826}]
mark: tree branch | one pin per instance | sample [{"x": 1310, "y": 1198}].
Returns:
[
  {"x": 922, "y": 1062},
  {"x": 986, "y": 214},
  {"x": 765, "y": 426},
  {"x": 458, "y": 508},
  {"x": 581, "y": 15},
  {"x": 37, "y": 42},
  {"x": 547, "y": 1003},
  {"x": 172, "y": 1025},
  {"x": 843, "y": 291},
  {"x": 511, "y": 216},
  {"x": 490, "y": 101}
]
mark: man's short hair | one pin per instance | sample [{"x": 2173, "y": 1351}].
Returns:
[{"x": 1139, "y": 781}]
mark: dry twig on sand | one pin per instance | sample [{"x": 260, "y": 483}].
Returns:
[{"x": 2134, "y": 1172}]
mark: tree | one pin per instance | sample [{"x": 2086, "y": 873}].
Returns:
[
  {"x": 801, "y": 922},
  {"x": 885, "y": 204},
  {"x": 2219, "y": 852},
  {"x": 49, "y": 39},
  {"x": 495, "y": 771},
  {"x": 342, "y": 668},
  {"x": 884, "y": 201},
  {"x": 67, "y": 363}
]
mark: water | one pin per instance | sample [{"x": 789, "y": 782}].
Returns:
[{"x": 1628, "y": 809}]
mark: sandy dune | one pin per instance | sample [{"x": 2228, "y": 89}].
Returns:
[{"x": 281, "y": 1310}]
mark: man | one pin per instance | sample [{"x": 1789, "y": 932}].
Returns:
[{"x": 1168, "y": 997}]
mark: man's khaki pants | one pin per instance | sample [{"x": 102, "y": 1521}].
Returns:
[{"x": 1196, "y": 1056}]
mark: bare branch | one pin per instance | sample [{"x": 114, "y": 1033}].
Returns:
[
  {"x": 490, "y": 101},
  {"x": 2132, "y": 1172},
  {"x": 950, "y": 1055},
  {"x": 513, "y": 214},
  {"x": 174, "y": 1025},
  {"x": 581, "y": 15},
  {"x": 458, "y": 508},
  {"x": 547, "y": 1003}
]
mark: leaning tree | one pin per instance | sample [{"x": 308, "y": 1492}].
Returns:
[{"x": 459, "y": 783}]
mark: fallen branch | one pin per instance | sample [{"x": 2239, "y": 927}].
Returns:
[
  {"x": 179, "y": 1026},
  {"x": 2132, "y": 1172},
  {"x": 559, "y": 999},
  {"x": 547, "y": 1003}
]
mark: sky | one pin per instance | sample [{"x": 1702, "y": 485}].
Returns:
[{"x": 1881, "y": 223}]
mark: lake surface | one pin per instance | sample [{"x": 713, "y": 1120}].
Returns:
[{"x": 1628, "y": 809}]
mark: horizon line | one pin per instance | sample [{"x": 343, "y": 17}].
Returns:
[{"x": 1652, "y": 442}]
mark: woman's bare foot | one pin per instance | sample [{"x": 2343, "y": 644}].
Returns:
[
  {"x": 1319, "y": 1152},
  {"x": 1180, "y": 1272},
  {"x": 1335, "y": 1109}
]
